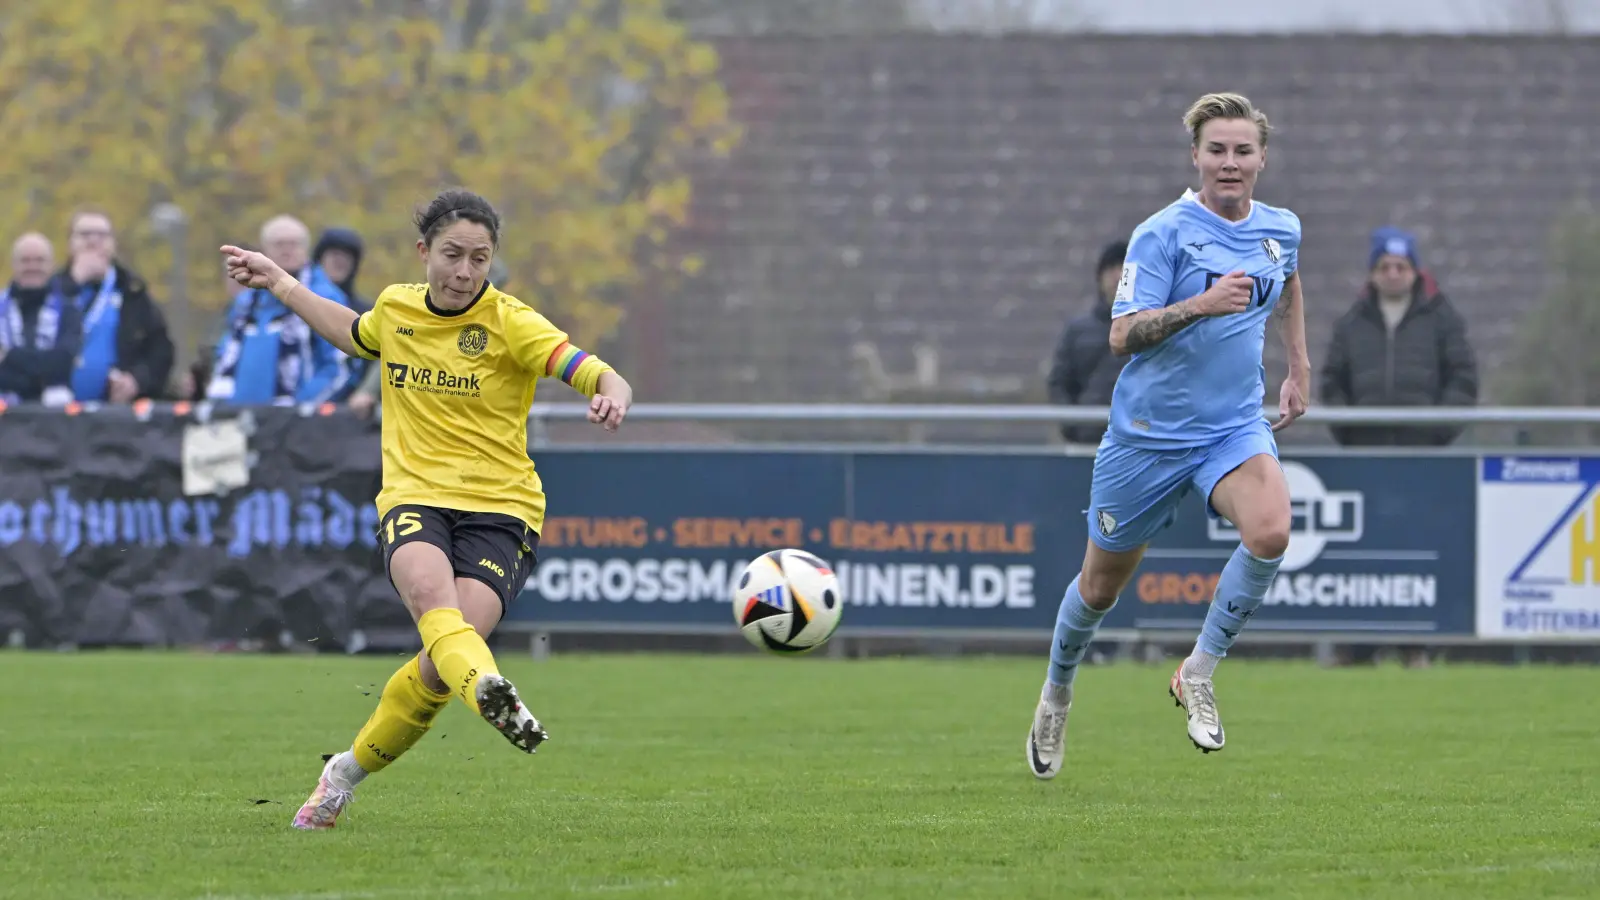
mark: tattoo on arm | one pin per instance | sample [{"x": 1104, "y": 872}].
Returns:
[
  {"x": 1150, "y": 329},
  {"x": 1291, "y": 296}
]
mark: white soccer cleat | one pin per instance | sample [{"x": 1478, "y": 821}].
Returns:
[
  {"x": 500, "y": 706},
  {"x": 1047, "y": 739},
  {"x": 1199, "y": 701},
  {"x": 321, "y": 810}
]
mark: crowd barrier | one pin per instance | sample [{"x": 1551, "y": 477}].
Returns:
[{"x": 186, "y": 527}]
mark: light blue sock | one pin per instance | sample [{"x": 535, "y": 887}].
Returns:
[
  {"x": 1076, "y": 624},
  {"x": 1244, "y": 584}
]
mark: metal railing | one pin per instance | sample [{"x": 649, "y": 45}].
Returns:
[{"x": 1393, "y": 416}]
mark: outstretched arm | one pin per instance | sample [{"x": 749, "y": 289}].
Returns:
[{"x": 328, "y": 318}]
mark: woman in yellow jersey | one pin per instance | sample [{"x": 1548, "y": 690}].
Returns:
[{"x": 461, "y": 506}]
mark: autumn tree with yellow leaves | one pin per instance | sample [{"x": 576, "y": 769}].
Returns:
[{"x": 577, "y": 118}]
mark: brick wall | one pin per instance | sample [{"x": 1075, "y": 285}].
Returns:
[{"x": 914, "y": 217}]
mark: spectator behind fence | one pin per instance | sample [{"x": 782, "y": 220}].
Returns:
[
  {"x": 1401, "y": 344},
  {"x": 266, "y": 354},
  {"x": 193, "y": 381},
  {"x": 339, "y": 252},
  {"x": 1084, "y": 369},
  {"x": 126, "y": 353},
  {"x": 39, "y": 327}
]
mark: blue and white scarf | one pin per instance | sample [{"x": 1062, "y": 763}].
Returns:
[
  {"x": 106, "y": 298},
  {"x": 101, "y": 312},
  {"x": 292, "y": 339},
  {"x": 46, "y": 329}
]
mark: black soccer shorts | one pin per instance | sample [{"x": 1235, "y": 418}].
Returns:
[{"x": 496, "y": 549}]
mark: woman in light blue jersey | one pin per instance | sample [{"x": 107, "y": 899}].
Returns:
[{"x": 1202, "y": 279}]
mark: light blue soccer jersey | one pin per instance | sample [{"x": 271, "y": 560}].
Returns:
[{"x": 1206, "y": 381}]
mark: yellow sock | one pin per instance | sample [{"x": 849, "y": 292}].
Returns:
[
  {"x": 405, "y": 711},
  {"x": 457, "y": 652}
]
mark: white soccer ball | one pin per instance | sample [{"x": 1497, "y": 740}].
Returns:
[{"x": 787, "y": 601}]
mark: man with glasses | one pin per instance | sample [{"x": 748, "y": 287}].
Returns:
[{"x": 125, "y": 352}]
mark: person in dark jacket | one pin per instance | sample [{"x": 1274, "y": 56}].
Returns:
[
  {"x": 1084, "y": 370},
  {"x": 39, "y": 328},
  {"x": 126, "y": 353},
  {"x": 1401, "y": 344},
  {"x": 339, "y": 252}
]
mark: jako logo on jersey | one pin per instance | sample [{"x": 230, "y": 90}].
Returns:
[
  {"x": 492, "y": 567},
  {"x": 403, "y": 330},
  {"x": 1317, "y": 518},
  {"x": 1262, "y": 290},
  {"x": 473, "y": 341}
]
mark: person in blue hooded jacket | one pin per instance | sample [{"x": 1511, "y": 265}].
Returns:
[
  {"x": 267, "y": 354},
  {"x": 338, "y": 254}
]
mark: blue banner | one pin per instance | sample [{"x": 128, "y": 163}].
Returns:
[
  {"x": 1380, "y": 544},
  {"x": 166, "y": 529},
  {"x": 962, "y": 541}
]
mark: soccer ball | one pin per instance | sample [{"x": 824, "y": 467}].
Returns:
[{"x": 787, "y": 601}]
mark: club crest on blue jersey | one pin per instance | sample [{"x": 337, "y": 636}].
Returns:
[{"x": 1273, "y": 248}]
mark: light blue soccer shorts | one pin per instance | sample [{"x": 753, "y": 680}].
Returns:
[{"x": 1136, "y": 491}]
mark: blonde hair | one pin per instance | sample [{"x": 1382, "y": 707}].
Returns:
[{"x": 1224, "y": 106}]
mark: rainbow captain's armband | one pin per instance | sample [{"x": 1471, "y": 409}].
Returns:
[{"x": 565, "y": 361}]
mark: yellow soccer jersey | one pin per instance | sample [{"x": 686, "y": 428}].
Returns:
[{"x": 457, "y": 385}]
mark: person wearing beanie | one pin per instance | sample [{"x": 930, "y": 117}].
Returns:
[
  {"x": 1084, "y": 370},
  {"x": 339, "y": 252},
  {"x": 1401, "y": 344}
]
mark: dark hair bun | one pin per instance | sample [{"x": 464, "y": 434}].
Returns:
[{"x": 457, "y": 205}]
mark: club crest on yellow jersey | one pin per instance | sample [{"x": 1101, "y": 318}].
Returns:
[{"x": 473, "y": 341}]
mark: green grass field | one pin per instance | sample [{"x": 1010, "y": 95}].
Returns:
[{"x": 142, "y": 775}]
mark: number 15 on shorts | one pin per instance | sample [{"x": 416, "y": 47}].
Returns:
[{"x": 401, "y": 524}]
